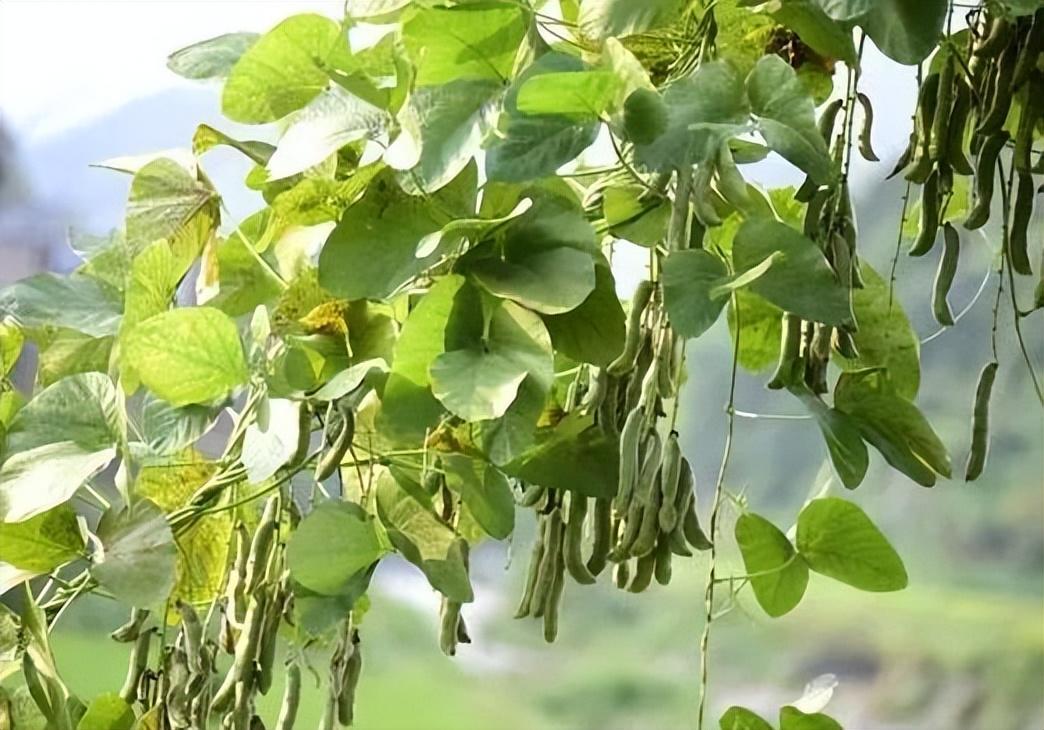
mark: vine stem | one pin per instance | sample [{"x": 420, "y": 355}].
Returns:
[{"x": 715, "y": 510}]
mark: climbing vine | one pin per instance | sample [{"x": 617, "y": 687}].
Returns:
[{"x": 418, "y": 340}]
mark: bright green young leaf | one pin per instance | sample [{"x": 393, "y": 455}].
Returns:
[
  {"x": 340, "y": 529},
  {"x": 552, "y": 281},
  {"x": 837, "y": 539},
  {"x": 75, "y": 302},
  {"x": 885, "y": 337},
  {"x": 136, "y": 563},
  {"x": 575, "y": 455},
  {"x": 801, "y": 281},
  {"x": 212, "y": 58},
  {"x": 905, "y": 30},
  {"x": 155, "y": 275},
  {"x": 740, "y": 718},
  {"x": 594, "y": 332},
  {"x": 372, "y": 252},
  {"x": 600, "y": 19},
  {"x": 761, "y": 323},
  {"x": 164, "y": 198},
  {"x": 207, "y": 138},
  {"x": 374, "y": 8},
  {"x": 271, "y": 440},
  {"x": 283, "y": 70},
  {"x": 107, "y": 711},
  {"x": 408, "y": 406},
  {"x": 64, "y": 352},
  {"x": 485, "y": 492},
  {"x": 777, "y": 573},
  {"x": 847, "y": 451},
  {"x": 791, "y": 718},
  {"x": 187, "y": 355},
  {"x": 893, "y": 425},
  {"x": 787, "y": 117},
  {"x": 244, "y": 279},
  {"x": 442, "y": 129},
  {"x": 11, "y": 341},
  {"x": 423, "y": 539},
  {"x": 43, "y": 542},
  {"x": 329, "y": 122},
  {"x": 574, "y": 94},
  {"x": 476, "y": 42},
  {"x": 473, "y": 229}
]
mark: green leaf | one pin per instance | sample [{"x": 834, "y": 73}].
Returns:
[
  {"x": 481, "y": 379},
  {"x": 11, "y": 341},
  {"x": 645, "y": 116},
  {"x": 595, "y": 331},
  {"x": 136, "y": 563},
  {"x": 885, "y": 337},
  {"x": 187, "y": 355},
  {"x": 600, "y": 19},
  {"x": 791, "y": 718},
  {"x": 43, "y": 477},
  {"x": 801, "y": 281},
  {"x": 166, "y": 430},
  {"x": 207, "y": 138},
  {"x": 740, "y": 718},
  {"x": 271, "y": 440},
  {"x": 423, "y": 539},
  {"x": 787, "y": 117},
  {"x": 107, "y": 711},
  {"x": 212, "y": 58},
  {"x": 408, "y": 407},
  {"x": 551, "y": 281},
  {"x": 155, "y": 275},
  {"x": 442, "y": 127},
  {"x": 283, "y": 70},
  {"x": 75, "y": 302},
  {"x": 329, "y": 122},
  {"x": 848, "y": 453},
  {"x": 484, "y": 491},
  {"x": 838, "y": 540},
  {"x": 632, "y": 217},
  {"x": 845, "y": 9},
  {"x": 340, "y": 529},
  {"x": 703, "y": 110},
  {"x": 777, "y": 574},
  {"x": 894, "y": 425},
  {"x": 574, "y": 455},
  {"x": 905, "y": 30},
  {"x": 372, "y": 251},
  {"x": 816, "y": 29},
  {"x": 761, "y": 323},
  {"x": 164, "y": 198},
  {"x": 348, "y": 380},
  {"x": 42, "y": 543},
  {"x": 451, "y": 44},
  {"x": 244, "y": 278},
  {"x": 83, "y": 409},
  {"x": 374, "y": 8},
  {"x": 577, "y": 94}
]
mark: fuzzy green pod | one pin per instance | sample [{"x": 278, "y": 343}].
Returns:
[
  {"x": 574, "y": 536},
  {"x": 669, "y": 475},
  {"x": 929, "y": 228},
  {"x": 129, "y": 631},
  {"x": 136, "y": 665},
  {"x": 332, "y": 458},
  {"x": 601, "y": 536},
  {"x": 352, "y": 672},
  {"x": 866, "y": 145},
  {"x": 630, "y": 441},
  {"x": 789, "y": 353},
  {"x": 944, "y": 275},
  {"x": 980, "y": 444},
  {"x": 625, "y": 362},
  {"x": 536, "y": 558},
  {"x": 554, "y": 601},
  {"x": 985, "y": 174},
  {"x": 449, "y": 618},
  {"x": 549, "y": 562},
  {"x": 662, "y": 560},
  {"x": 643, "y": 573},
  {"x": 291, "y": 698}
]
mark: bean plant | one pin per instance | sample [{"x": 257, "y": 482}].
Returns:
[{"x": 418, "y": 342}]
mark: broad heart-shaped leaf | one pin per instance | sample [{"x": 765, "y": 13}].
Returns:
[
  {"x": 83, "y": 409},
  {"x": 485, "y": 492},
  {"x": 740, "y": 718},
  {"x": 187, "y": 355},
  {"x": 43, "y": 542},
  {"x": 893, "y": 425},
  {"x": 43, "y": 477},
  {"x": 107, "y": 711},
  {"x": 423, "y": 539},
  {"x": 845, "y": 9},
  {"x": 137, "y": 560},
  {"x": 838, "y": 540},
  {"x": 271, "y": 440},
  {"x": 166, "y": 429},
  {"x": 632, "y": 217},
  {"x": 155, "y": 275},
  {"x": 212, "y": 58},
  {"x": 528, "y": 147},
  {"x": 800, "y": 281},
  {"x": 791, "y": 718},
  {"x": 164, "y": 197},
  {"x": 283, "y": 70},
  {"x": 480, "y": 380},
  {"x": 787, "y": 117},
  {"x": 65, "y": 352},
  {"x": 476, "y": 42},
  {"x": 600, "y": 19},
  {"x": 703, "y": 110},
  {"x": 905, "y": 30},
  {"x": 574, "y": 455},
  {"x": 885, "y": 337},
  {"x": 75, "y": 302},
  {"x": 333, "y": 543},
  {"x": 779, "y": 575},
  {"x": 372, "y": 251},
  {"x": 330, "y": 121},
  {"x": 442, "y": 127},
  {"x": 578, "y": 94},
  {"x": 761, "y": 324},
  {"x": 595, "y": 331},
  {"x": 551, "y": 281},
  {"x": 408, "y": 407},
  {"x": 203, "y": 549}
]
